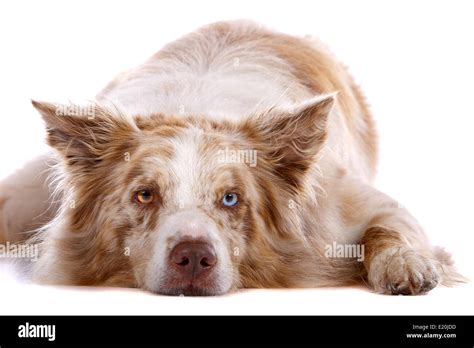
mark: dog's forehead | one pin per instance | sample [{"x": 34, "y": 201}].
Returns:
[
  {"x": 192, "y": 151},
  {"x": 190, "y": 163},
  {"x": 187, "y": 164}
]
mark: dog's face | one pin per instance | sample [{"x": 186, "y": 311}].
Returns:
[
  {"x": 189, "y": 207},
  {"x": 180, "y": 205}
]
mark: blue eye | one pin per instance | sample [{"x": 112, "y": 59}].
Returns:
[{"x": 230, "y": 199}]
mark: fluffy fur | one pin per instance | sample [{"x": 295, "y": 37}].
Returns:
[{"x": 161, "y": 126}]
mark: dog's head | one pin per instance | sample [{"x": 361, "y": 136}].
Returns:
[{"x": 180, "y": 205}]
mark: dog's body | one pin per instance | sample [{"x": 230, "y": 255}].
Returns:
[{"x": 156, "y": 131}]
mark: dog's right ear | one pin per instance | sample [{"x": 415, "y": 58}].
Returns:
[{"x": 82, "y": 133}]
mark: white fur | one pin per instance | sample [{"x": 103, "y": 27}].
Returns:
[{"x": 211, "y": 78}]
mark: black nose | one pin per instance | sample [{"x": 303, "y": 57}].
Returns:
[{"x": 193, "y": 260}]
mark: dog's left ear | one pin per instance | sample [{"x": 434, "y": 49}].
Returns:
[{"x": 294, "y": 136}]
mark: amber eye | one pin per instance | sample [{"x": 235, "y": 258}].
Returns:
[{"x": 145, "y": 196}]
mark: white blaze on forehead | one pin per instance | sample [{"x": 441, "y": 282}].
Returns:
[{"x": 186, "y": 167}]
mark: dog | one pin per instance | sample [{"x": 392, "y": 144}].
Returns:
[{"x": 235, "y": 157}]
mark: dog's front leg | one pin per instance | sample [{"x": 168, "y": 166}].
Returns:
[
  {"x": 398, "y": 257},
  {"x": 395, "y": 265}
]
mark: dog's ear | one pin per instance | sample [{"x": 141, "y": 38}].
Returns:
[
  {"x": 294, "y": 135},
  {"x": 82, "y": 133}
]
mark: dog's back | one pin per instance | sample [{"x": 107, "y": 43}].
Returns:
[{"x": 235, "y": 69}]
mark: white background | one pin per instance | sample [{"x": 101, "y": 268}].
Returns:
[{"x": 413, "y": 59}]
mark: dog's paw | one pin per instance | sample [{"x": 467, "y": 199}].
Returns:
[{"x": 402, "y": 271}]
